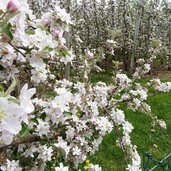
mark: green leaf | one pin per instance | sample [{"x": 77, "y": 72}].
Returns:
[
  {"x": 46, "y": 60},
  {"x": 11, "y": 87},
  {"x": 14, "y": 100},
  {"x": 63, "y": 52},
  {"x": 6, "y": 29},
  {"x": 47, "y": 49},
  {"x": 30, "y": 32},
  {"x": 24, "y": 132},
  {"x": 1, "y": 88},
  {"x": 67, "y": 114}
]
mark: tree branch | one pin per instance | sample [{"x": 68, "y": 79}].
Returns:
[{"x": 29, "y": 139}]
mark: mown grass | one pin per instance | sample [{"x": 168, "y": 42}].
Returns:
[{"x": 158, "y": 142}]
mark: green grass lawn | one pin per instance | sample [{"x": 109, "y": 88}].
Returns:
[{"x": 110, "y": 157}]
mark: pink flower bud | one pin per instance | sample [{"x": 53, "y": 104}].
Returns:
[
  {"x": 12, "y": 6},
  {"x": 5, "y": 38},
  {"x": 56, "y": 33},
  {"x": 63, "y": 46}
]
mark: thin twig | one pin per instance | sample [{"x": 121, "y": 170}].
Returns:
[
  {"x": 120, "y": 140},
  {"x": 17, "y": 49},
  {"x": 155, "y": 94}
]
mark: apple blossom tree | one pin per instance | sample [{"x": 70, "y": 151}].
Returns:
[
  {"x": 50, "y": 123},
  {"x": 134, "y": 25}
]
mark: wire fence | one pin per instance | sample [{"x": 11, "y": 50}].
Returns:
[{"x": 159, "y": 165}]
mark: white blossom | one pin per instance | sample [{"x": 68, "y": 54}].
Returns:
[
  {"x": 43, "y": 128},
  {"x": 45, "y": 153},
  {"x": 76, "y": 151},
  {"x": 162, "y": 124},
  {"x": 118, "y": 116},
  {"x": 95, "y": 167},
  {"x": 63, "y": 145},
  {"x": 11, "y": 166},
  {"x": 61, "y": 167}
]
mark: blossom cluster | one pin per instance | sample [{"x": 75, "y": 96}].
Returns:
[
  {"x": 33, "y": 43},
  {"x": 159, "y": 86},
  {"x": 14, "y": 112}
]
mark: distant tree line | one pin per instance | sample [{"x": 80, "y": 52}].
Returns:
[{"x": 135, "y": 26}]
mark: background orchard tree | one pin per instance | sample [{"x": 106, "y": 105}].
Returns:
[{"x": 139, "y": 22}]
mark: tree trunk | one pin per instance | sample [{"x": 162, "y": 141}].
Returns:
[{"x": 136, "y": 33}]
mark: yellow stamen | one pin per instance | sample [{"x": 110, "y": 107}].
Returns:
[
  {"x": 87, "y": 161},
  {"x": 2, "y": 115}
]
